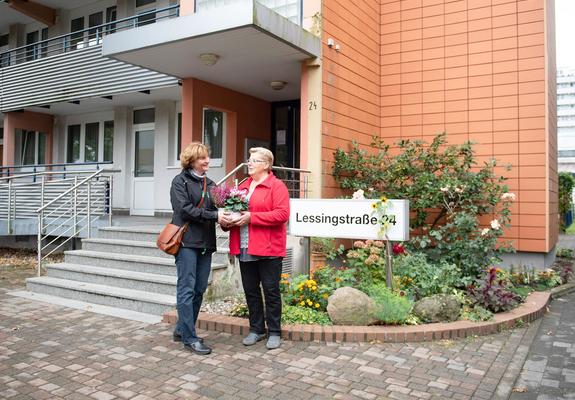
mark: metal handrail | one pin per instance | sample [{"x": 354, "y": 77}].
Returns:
[
  {"x": 40, "y": 49},
  {"x": 70, "y": 210},
  {"x": 71, "y": 172},
  {"x": 76, "y": 186},
  {"x": 239, "y": 166}
]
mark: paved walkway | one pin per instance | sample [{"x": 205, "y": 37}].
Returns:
[
  {"x": 549, "y": 371},
  {"x": 49, "y": 351}
]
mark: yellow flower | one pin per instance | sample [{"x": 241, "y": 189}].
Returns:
[
  {"x": 325, "y": 296},
  {"x": 302, "y": 303},
  {"x": 314, "y": 288},
  {"x": 309, "y": 302},
  {"x": 374, "y": 205},
  {"x": 316, "y": 305},
  {"x": 383, "y": 199}
]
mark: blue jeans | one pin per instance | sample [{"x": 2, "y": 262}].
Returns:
[{"x": 193, "y": 269}]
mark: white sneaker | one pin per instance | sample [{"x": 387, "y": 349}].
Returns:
[
  {"x": 253, "y": 338},
  {"x": 273, "y": 342}
]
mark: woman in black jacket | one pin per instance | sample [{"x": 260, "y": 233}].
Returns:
[{"x": 191, "y": 202}]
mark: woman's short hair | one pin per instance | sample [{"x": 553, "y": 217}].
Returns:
[
  {"x": 193, "y": 152},
  {"x": 265, "y": 154}
]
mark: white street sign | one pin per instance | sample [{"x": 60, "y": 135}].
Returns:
[{"x": 350, "y": 219}]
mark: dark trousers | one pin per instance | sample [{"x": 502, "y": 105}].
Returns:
[
  {"x": 193, "y": 267},
  {"x": 264, "y": 273}
]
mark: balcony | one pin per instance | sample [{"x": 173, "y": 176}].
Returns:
[
  {"x": 71, "y": 67},
  {"x": 250, "y": 45}
]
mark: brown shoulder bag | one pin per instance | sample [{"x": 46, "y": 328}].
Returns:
[{"x": 170, "y": 238}]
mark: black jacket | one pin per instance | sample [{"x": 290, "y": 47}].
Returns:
[{"x": 185, "y": 194}]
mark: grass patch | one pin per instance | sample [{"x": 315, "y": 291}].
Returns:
[{"x": 571, "y": 229}]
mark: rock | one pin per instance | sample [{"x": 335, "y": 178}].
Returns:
[
  {"x": 437, "y": 308},
  {"x": 349, "y": 306}
]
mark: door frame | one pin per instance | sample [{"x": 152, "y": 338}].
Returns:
[{"x": 150, "y": 179}]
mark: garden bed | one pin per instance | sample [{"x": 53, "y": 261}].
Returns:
[{"x": 532, "y": 309}]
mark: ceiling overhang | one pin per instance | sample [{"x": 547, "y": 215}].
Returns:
[{"x": 254, "y": 44}]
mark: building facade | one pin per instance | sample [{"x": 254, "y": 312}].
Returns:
[
  {"x": 566, "y": 119},
  {"x": 128, "y": 82}
]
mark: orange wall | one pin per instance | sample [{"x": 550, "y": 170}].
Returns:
[
  {"x": 30, "y": 121},
  {"x": 480, "y": 70},
  {"x": 351, "y": 79},
  {"x": 247, "y": 116}
]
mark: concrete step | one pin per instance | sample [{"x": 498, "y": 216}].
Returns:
[
  {"x": 91, "y": 307},
  {"x": 150, "y": 265},
  {"x": 152, "y": 283},
  {"x": 135, "y": 300},
  {"x": 139, "y": 248},
  {"x": 145, "y": 234},
  {"x": 148, "y": 234}
]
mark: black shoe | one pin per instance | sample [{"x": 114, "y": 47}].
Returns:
[
  {"x": 198, "y": 348},
  {"x": 177, "y": 337}
]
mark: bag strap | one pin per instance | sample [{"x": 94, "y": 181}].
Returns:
[{"x": 203, "y": 193}]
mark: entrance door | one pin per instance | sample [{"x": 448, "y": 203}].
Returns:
[
  {"x": 286, "y": 133},
  {"x": 143, "y": 190},
  {"x": 214, "y": 136}
]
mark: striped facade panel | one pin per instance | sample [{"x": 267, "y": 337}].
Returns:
[{"x": 80, "y": 74}]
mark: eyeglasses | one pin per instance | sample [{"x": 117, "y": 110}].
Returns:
[{"x": 254, "y": 161}]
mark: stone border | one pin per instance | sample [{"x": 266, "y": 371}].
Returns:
[{"x": 532, "y": 309}]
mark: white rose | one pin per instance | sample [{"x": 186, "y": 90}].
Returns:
[{"x": 495, "y": 224}]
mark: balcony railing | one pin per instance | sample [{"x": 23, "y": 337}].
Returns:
[
  {"x": 91, "y": 36},
  {"x": 290, "y": 9}
]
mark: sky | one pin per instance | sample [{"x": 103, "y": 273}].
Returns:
[{"x": 565, "y": 32}]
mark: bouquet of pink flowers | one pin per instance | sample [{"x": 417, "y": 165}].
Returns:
[{"x": 230, "y": 198}]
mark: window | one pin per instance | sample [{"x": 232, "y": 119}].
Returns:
[
  {"x": 145, "y": 8},
  {"x": 213, "y": 132},
  {"x": 76, "y": 38},
  {"x": 91, "y": 142},
  {"x": 111, "y": 15},
  {"x": 73, "y": 144},
  {"x": 144, "y": 116},
  {"x": 31, "y": 51},
  {"x": 144, "y": 163},
  {"x": 94, "y": 34},
  {"x": 109, "y": 141},
  {"x": 30, "y": 147}
]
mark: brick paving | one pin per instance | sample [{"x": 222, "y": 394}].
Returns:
[
  {"x": 49, "y": 351},
  {"x": 549, "y": 370}
]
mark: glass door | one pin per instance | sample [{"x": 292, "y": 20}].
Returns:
[
  {"x": 143, "y": 172},
  {"x": 286, "y": 133}
]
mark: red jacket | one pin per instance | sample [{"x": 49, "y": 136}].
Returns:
[{"x": 269, "y": 212}]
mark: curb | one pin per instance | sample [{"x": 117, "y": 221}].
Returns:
[
  {"x": 562, "y": 290},
  {"x": 532, "y": 309}
]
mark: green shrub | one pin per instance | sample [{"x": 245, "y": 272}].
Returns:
[
  {"x": 390, "y": 308},
  {"x": 477, "y": 314},
  {"x": 240, "y": 310},
  {"x": 423, "y": 278},
  {"x": 565, "y": 253},
  {"x": 333, "y": 278},
  {"x": 367, "y": 259},
  {"x": 298, "y": 315},
  {"x": 448, "y": 193},
  {"x": 492, "y": 293},
  {"x": 566, "y": 184},
  {"x": 305, "y": 292}
]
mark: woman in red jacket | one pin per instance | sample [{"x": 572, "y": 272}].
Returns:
[{"x": 258, "y": 237}]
